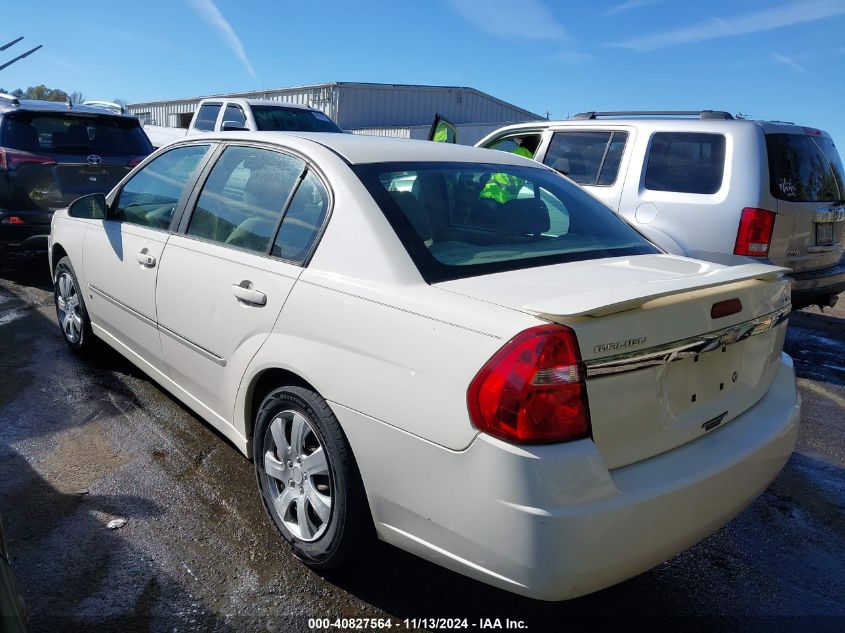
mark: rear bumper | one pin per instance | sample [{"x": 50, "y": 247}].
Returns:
[
  {"x": 808, "y": 286},
  {"x": 551, "y": 522},
  {"x": 32, "y": 233}
]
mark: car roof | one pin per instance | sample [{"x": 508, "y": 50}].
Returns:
[
  {"x": 258, "y": 102},
  {"x": 662, "y": 123},
  {"x": 362, "y": 149},
  {"x": 33, "y": 105}
]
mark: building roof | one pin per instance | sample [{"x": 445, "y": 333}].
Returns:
[{"x": 352, "y": 84}]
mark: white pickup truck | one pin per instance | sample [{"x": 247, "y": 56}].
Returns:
[{"x": 225, "y": 114}]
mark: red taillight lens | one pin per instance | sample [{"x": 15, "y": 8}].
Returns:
[
  {"x": 754, "y": 233},
  {"x": 12, "y": 219},
  {"x": 135, "y": 162},
  {"x": 12, "y": 157},
  {"x": 533, "y": 389}
]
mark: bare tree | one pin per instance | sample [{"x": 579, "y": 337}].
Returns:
[{"x": 77, "y": 97}]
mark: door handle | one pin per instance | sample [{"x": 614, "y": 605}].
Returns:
[
  {"x": 145, "y": 259},
  {"x": 245, "y": 292}
]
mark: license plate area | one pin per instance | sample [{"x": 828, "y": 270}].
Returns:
[
  {"x": 703, "y": 380},
  {"x": 824, "y": 233}
]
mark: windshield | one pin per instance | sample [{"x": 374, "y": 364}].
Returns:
[
  {"x": 57, "y": 133},
  {"x": 805, "y": 168},
  {"x": 278, "y": 119},
  {"x": 465, "y": 219}
]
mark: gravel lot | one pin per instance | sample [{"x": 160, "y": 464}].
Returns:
[{"x": 82, "y": 443}]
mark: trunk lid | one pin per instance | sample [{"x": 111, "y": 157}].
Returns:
[
  {"x": 661, "y": 371},
  {"x": 807, "y": 180}
]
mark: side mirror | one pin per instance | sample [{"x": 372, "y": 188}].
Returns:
[
  {"x": 442, "y": 131},
  {"x": 233, "y": 126},
  {"x": 90, "y": 207}
]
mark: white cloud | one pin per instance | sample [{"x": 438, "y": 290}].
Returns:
[
  {"x": 787, "y": 61},
  {"x": 527, "y": 19},
  {"x": 756, "y": 22},
  {"x": 630, "y": 5},
  {"x": 209, "y": 12},
  {"x": 572, "y": 57}
]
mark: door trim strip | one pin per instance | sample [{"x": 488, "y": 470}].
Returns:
[
  {"x": 117, "y": 302},
  {"x": 216, "y": 358}
]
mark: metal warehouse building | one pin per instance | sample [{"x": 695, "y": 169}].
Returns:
[{"x": 404, "y": 111}]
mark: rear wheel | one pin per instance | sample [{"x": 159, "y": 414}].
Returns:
[
  {"x": 70, "y": 309},
  {"x": 307, "y": 476}
]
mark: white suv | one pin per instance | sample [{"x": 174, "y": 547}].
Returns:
[{"x": 709, "y": 186}]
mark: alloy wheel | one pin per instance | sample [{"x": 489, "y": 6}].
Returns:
[
  {"x": 296, "y": 473},
  {"x": 67, "y": 301}
]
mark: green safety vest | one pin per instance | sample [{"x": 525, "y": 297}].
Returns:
[{"x": 503, "y": 187}]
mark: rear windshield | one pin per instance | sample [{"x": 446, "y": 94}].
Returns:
[
  {"x": 56, "y": 133},
  {"x": 276, "y": 119},
  {"x": 465, "y": 219},
  {"x": 805, "y": 168}
]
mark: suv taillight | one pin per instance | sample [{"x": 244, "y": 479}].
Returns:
[
  {"x": 533, "y": 389},
  {"x": 14, "y": 157},
  {"x": 754, "y": 233}
]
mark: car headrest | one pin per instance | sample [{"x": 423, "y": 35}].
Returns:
[
  {"x": 415, "y": 211},
  {"x": 562, "y": 165},
  {"x": 522, "y": 217}
]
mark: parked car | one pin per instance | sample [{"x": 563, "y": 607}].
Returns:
[
  {"x": 706, "y": 185},
  {"x": 13, "y": 616},
  {"x": 230, "y": 114},
  {"x": 53, "y": 152},
  {"x": 458, "y": 347}
]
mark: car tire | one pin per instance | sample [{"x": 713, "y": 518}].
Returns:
[
  {"x": 70, "y": 309},
  {"x": 316, "y": 503}
]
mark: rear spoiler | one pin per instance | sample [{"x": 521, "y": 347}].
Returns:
[{"x": 600, "y": 302}]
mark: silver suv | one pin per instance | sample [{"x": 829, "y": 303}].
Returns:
[{"x": 709, "y": 186}]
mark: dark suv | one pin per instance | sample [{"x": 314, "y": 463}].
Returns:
[{"x": 52, "y": 153}]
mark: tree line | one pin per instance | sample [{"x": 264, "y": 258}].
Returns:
[{"x": 43, "y": 93}]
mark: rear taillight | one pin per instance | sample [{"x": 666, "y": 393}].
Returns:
[
  {"x": 754, "y": 233},
  {"x": 12, "y": 219},
  {"x": 14, "y": 157},
  {"x": 135, "y": 162},
  {"x": 533, "y": 389}
]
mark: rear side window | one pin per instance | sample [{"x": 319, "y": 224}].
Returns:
[
  {"x": 805, "y": 168},
  {"x": 74, "y": 134},
  {"x": 234, "y": 114},
  {"x": 686, "y": 162},
  {"x": 303, "y": 220},
  {"x": 207, "y": 116},
  {"x": 588, "y": 158},
  {"x": 281, "y": 119},
  {"x": 151, "y": 195},
  {"x": 242, "y": 201}
]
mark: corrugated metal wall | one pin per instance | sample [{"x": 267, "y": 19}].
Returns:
[
  {"x": 386, "y": 105},
  {"x": 468, "y": 133},
  {"x": 359, "y": 105}
]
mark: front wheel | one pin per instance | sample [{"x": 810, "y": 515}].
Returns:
[
  {"x": 70, "y": 309},
  {"x": 307, "y": 476}
]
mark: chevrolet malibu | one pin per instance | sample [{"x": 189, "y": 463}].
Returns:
[{"x": 458, "y": 348}]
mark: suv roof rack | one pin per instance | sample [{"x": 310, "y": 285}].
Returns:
[{"x": 702, "y": 114}]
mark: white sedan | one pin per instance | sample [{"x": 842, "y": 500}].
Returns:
[{"x": 458, "y": 348}]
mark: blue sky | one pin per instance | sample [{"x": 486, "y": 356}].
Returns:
[{"x": 778, "y": 59}]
